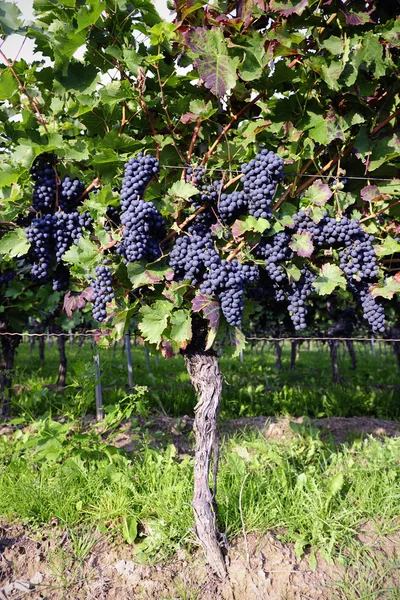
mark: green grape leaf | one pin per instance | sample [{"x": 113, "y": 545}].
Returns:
[
  {"x": 183, "y": 190},
  {"x": 389, "y": 246},
  {"x": 153, "y": 320},
  {"x": 388, "y": 290},
  {"x": 14, "y": 243},
  {"x": 181, "y": 326},
  {"x": 329, "y": 279}
]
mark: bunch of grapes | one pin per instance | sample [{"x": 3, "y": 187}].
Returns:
[
  {"x": 275, "y": 249},
  {"x": 373, "y": 311},
  {"x": 66, "y": 230},
  {"x": 297, "y": 295},
  {"x": 61, "y": 278},
  {"x": 143, "y": 226},
  {"x": 227, "y": 281},
  {"x": 261, "y": 176},
  {"x": 39, "y": 234},
  {"x": 45, "y": 190},
  {"x": 70, "y": 194},
  {"x": 7, "y": 276},
  {"x": 102, "y": 291},
  {"x": 192, "y": 254}
]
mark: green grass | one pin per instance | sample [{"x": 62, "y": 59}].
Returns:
[
  {"x": 254, "y": 387},
  {"x": 311, "y": 492}
]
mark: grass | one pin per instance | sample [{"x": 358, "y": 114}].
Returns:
[
  {"x": 254, "y": 387},
  {"x": 312, "y": 492}
]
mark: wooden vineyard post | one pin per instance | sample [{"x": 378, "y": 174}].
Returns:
[
  {"x": 129, "y": 359},
  {"x": 98, "y": 390}
]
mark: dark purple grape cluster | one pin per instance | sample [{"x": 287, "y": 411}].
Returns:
[
  {"x": 70, "y": 194},
  {"x": 297, "y": 295},
  {"x": 373, "y": 311},
  {"x": 261, "y": 176},
  {"x": 275, "y": 249},
  {"x": 359, "y": 259},
  {"x": 139, "y": 171},
  {"x": 102, "y": 291},
  {"x": 7, "y": 276},
  {"x": 192, "y": 254},
  {"x": 66, "y": 230},
  {"x": 227, "y": 281},
  {"x": 61, "y": 279},
  {"x": 39, "y": 234},
  {"x": 231, "y": 206},
  {"x": 194, "y": 175},
  {"x": 45, "y": 177},
  {"x": 143, "y": 226}
]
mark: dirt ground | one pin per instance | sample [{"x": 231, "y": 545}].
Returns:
[
  {"x": 259, "y": 568},
  {"x": 45, "y": 566}
]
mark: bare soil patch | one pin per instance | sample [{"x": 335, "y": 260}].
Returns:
[{"x": 43, "y": 567}]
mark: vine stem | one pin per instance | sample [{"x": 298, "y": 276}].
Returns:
[
  {"x": 386, "y": 121},
  {"x": 228, "y": 126},
  {"x": 236, "y": 251},
  {"x": 25, "y": 91},
  {"x": 183, "y": 225},
  {"x": 379, "y": 212},
  {"x": 90, "y": 187},
  {"x": 193, "y": 140}
]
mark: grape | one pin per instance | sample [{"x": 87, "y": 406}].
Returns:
[
  {"x": 297, "y": 295},
  {"x": 39, "y": 234},
  {"x": 69, "y": 194},
  {"x": 232, "y": 205},
  {"x": 45, "y": 177},
  {"x": 103, "y": 292},
  {"x": 66, "y": 230},
  {"x": 7, "y": 276},
  {"x": 143, "y": 226},
  {"x": 275, "y": 249},
  {"x": 192, "y": 254},
  {"x": 61, "y": 279},
  {"x": 373, "y": 311},
  {"x": 194, "y": 175},
  {"x": 227, "y": 281},
  {"x": 261, "y": 176}
]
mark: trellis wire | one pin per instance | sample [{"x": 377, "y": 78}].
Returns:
[{"x": 96, "y": 333}]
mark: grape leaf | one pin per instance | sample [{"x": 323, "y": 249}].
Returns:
[
  {"x": 329, "y": 279},
  {"x": 181, "y": 326},
  {"x": 14, "y": 243},
  {"x": 216, "y": 68},
  {"x": 180, "y": 189},
  {"x": 318, "y": 193},
  {"x": 388, "y": 290},
  {"x": 371, "y": 193},
  {"x": 89, "y": 13},
  {"x": 301, "y": 243},
  {"x": 211, "y": 312},
  {"x": 77, "y": 301},
  {"x": 154, "y": 320},
  {"x": 288, "y": 7},
  {"x": 139, "y": 274},
  {"x": 389, "y": 246}
]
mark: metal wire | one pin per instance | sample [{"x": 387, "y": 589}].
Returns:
[{"x": 95, "y": 332}]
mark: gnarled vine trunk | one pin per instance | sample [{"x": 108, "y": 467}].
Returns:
[
  {"x": 62, "y": 367},
  {"x": 352, "y": 354},
  {"x": 206, "y": 378},
  {"x": 278, "y": 354},
  {"x": 9, "y": 344},
  {"x": 333, "y": 348}
]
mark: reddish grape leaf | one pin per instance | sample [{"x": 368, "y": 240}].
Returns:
[
  {"x": 216, "y": 68},
  {"x": 78, "y": 301},
  {"x": 397, "y": 277},
  {"x": 288, "y": 8},
  {"x": 356, "y": 18},
  {"x": 318, "y": 193},
  {"x": 166, "y": 350},
  {"x": 371, "y": 193},
  {"x": 211, "y": 312},
  {"x": 238, "y": 229},
  {"x": 302, "y": 244},
  {"x": 189, "y": 118}
]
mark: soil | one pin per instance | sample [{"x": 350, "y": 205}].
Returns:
[
  {"x": 45, "y": 565},
  {"x": 44, "y": 568}
]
